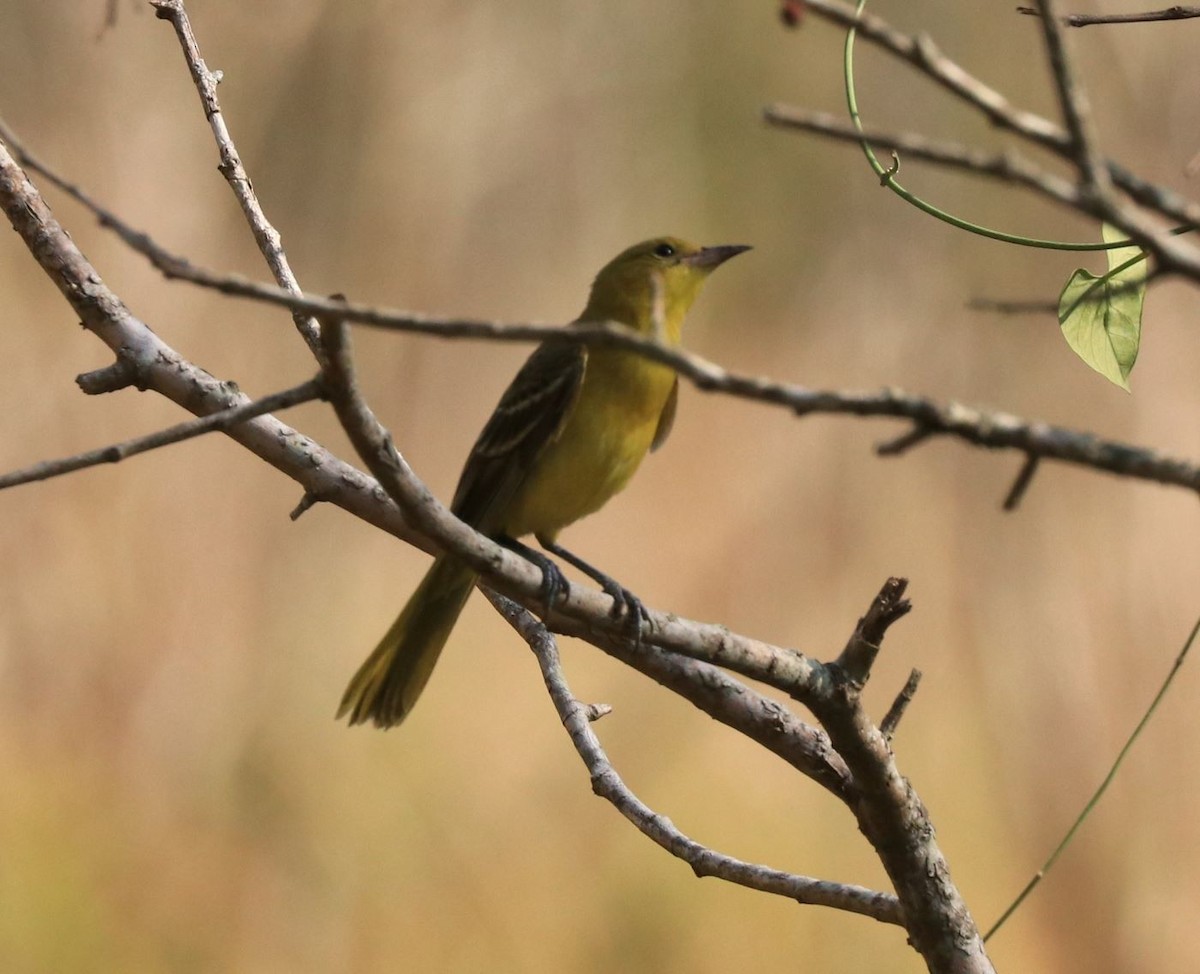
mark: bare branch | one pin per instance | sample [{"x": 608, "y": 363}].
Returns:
[
  {"x": 160, "y": 368},
  {"x": 607, "y": 783},
  {"x": 1149, "y": 16},
  {"x": 922, "y": 54},
  {"x": 266, "y": 236},
  {"x": 1051, "y": 305},
  {"x": 888, "y": 607},
  {"x": 738, "y": 706},
  {"x": 121, "y": 374},
  {"x": 1076, "y": 109},
  {"x": 1008, "y": 166},
  {"x": 899, "y": 706},
  {"x": 1000, "y": 430},
  {"x": 889, "y": 811},
  {"x": 222, "y": 420},
  {"x": 1025, "y": 476},
  {"x": 1016, "y": 307},
  {"x": 978, "y": 427}
]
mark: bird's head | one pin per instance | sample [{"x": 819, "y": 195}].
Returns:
[{"x": 651, "y": 285}]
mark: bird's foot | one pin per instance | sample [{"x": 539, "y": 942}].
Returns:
[
  {"x": 628, "y": 606},
  {"x": 555, "y": 587}
]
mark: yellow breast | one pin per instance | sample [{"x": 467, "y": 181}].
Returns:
[{"x": 601, "y": 444}]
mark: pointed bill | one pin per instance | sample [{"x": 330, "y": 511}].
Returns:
[{"x": 711, "y": 257}]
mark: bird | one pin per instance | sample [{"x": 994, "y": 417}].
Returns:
[{"x": 567, "y": 435}]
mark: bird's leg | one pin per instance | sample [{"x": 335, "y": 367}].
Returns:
[
  {"x": 554, "y": 583},
  {"x": 624, "y": 601}
]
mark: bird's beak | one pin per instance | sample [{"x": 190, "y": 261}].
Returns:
[{"x": 710, "y": 257}]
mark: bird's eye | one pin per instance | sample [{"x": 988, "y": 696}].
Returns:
[{"x": 664, "y": 250}]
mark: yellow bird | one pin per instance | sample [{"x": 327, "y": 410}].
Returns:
[{"x": 569, "y": 432}]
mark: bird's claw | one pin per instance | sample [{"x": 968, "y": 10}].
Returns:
[
  {"x": 554, "y": 587},
  {"x": 627, "y": 605}
]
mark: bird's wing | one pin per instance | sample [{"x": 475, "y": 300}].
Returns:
[
  {"x": 531, "y": 414},
  {"x": 666, "y": 419}
]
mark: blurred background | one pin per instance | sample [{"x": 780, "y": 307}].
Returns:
[{"x": 177, "y": 796}]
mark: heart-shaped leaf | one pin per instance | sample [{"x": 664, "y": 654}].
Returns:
[{"x": 1101, "y": 317}]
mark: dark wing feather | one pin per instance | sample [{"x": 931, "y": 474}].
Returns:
[
  {"x": 666, "y": 419},
  {"x": 530, "y": 415}
]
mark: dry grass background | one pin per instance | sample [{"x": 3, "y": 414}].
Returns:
[{"x": 176, "y": 794}]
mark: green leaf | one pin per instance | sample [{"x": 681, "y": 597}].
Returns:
[{"x": 1101, "y": 317}]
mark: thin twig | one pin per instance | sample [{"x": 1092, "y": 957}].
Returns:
[
  {"x": 921, "y": 53},
  {"x": 904, "y": 442},
  {"x": 1020, "y": 486},
  {"x": 1149, "y": 16},
  {"x": 887, "y": 607},
  {"x": 1095, "y": 797},
  {"x": 214, "y": 422},
  {"x": 1013, "y": 307},
  {"x": 267, "y": 237},
  {"x": 1051, "y": 306},
  {"x": 1095, "y": 171},
  {"x": 607, "y": 783},
  {"x": 1076, "y": 109},
  {"x": 899, "y": 707},
  {"x": 113, "y": 377},
  {"x": 307, "y": 502},
  {"x": 1008, "y": 166},
  {"x": 159, "y": 367}
]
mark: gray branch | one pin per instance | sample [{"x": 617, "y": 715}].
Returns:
[
  {"x": 223, "y": 419},
  {"x": 978, "y": 427},
  {"x": 607, "y": 783},
  {"x": 265, "y": 235},
  {"x": 920, "y": 52},
  {"x": 1149, "y": 16}
]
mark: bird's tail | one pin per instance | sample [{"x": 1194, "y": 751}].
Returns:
[{"x": 387, "y": 685}]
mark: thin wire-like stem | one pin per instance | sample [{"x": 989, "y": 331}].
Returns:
[
  {"x": 1103, "y": 787},
  {"x": 1009, "y": 165}
]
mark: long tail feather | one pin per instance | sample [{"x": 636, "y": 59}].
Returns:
[{"x": 387, "y": 685}]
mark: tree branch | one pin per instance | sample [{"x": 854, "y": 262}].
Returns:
[
  {"x": 157, "y": 366},
  {"x": 891, "y": 720},
  {"x": 265, "y": 235},
  {"x": 921, "y": 53},
  {"x": 607, "y": 783},
  {"x": 1149, "y": 16},
  {"x": 974, "y": 426},
  {"x": 889, "y": 811},
  {"x": 1008, "y": 166},
  {"x": 1076, "y": 109},
  {"x": 221, "y": 420}
]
